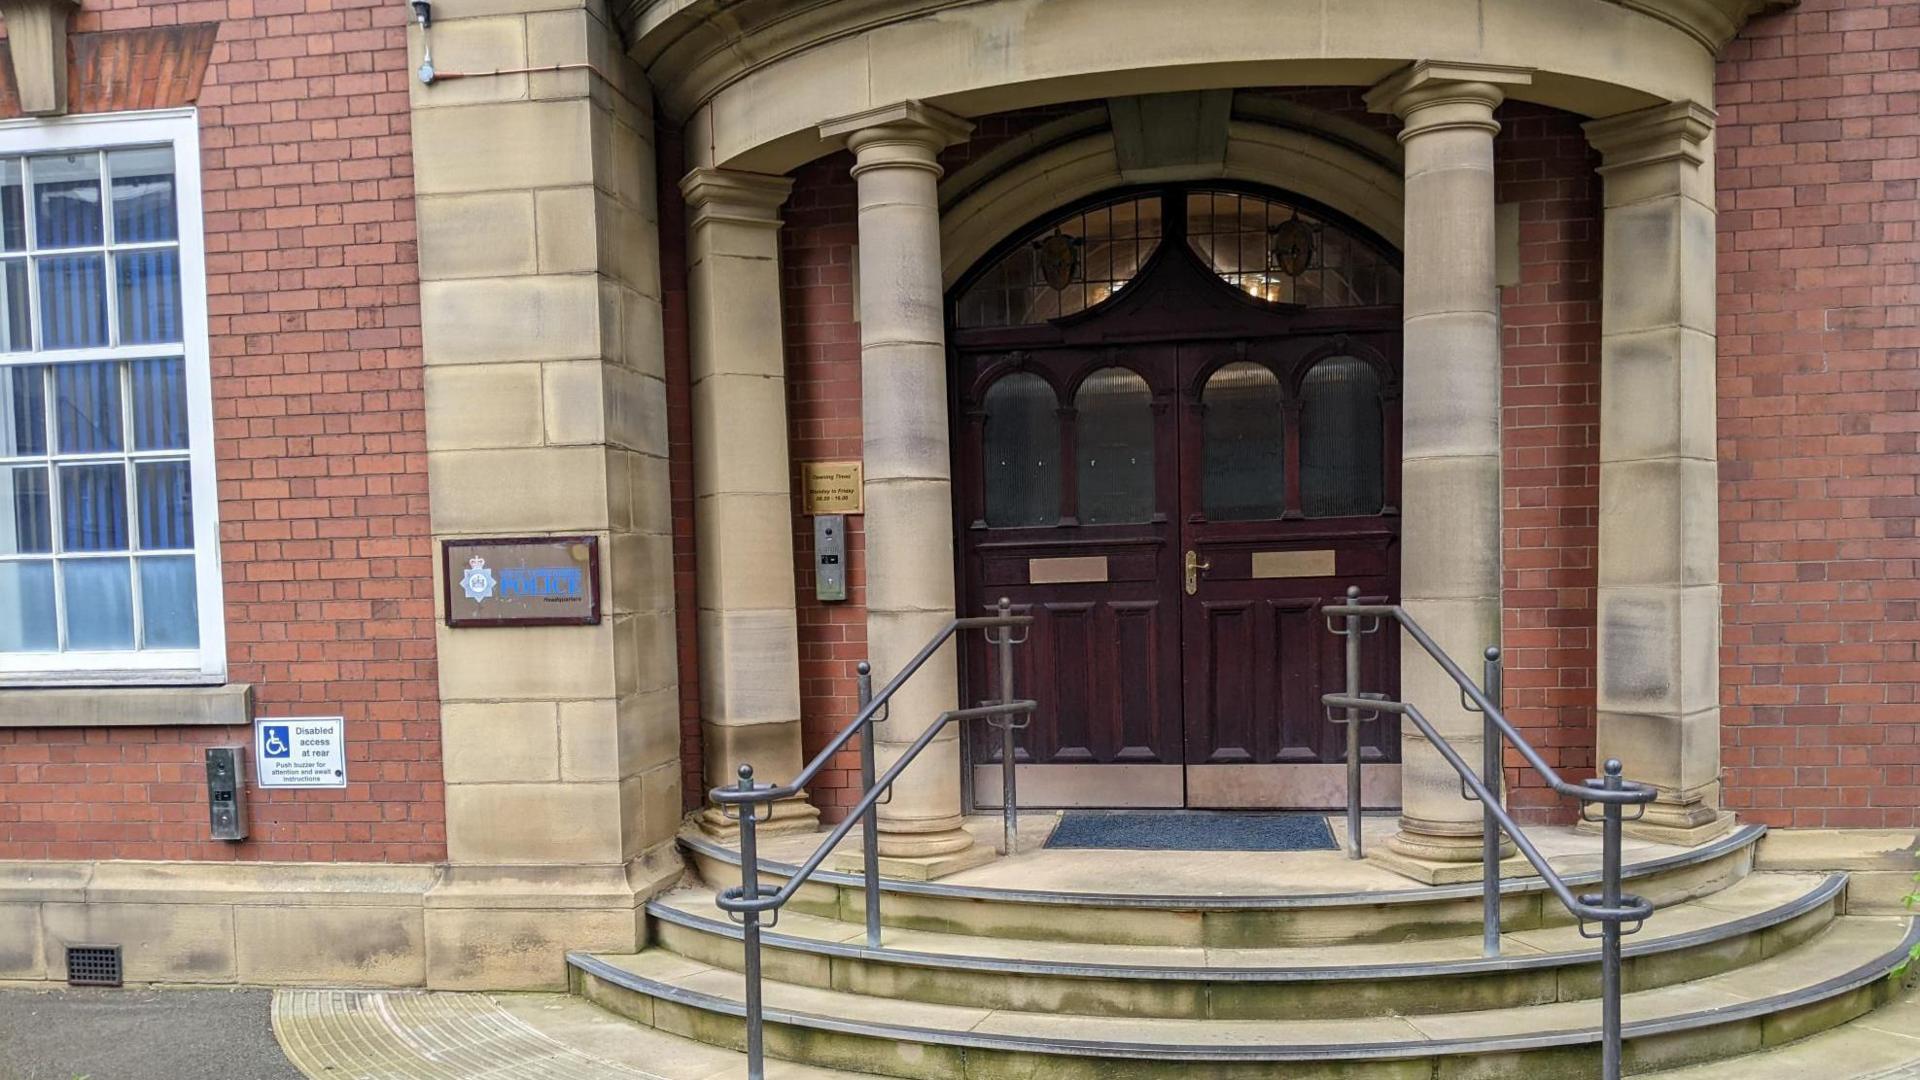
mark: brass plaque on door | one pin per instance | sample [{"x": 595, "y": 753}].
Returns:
[
  {"x": 1288, "y": 564},
  {"x": 1081, "y": 568}
]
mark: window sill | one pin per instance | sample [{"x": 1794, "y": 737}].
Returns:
[{"x": 147, "y": 706}]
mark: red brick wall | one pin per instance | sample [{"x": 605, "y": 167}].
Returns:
[
  {"x": 1550, "y": 413},
  {"x": 314, "y": 326},
  {"x": 1819, "y": 149},
  {"x": 670, "y": 154},
  {"x": 823, "y": 424}
]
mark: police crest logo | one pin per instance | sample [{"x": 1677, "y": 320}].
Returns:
[{"x": 478, "y": 582}]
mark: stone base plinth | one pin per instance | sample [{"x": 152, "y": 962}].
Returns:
[
  {"x": 1435, "y": 872},
  {"x": 921, "y": 868}
]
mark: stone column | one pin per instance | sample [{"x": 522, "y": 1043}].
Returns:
[
  {"x": 903, "y": 414},
  {"x": 1450, "y": 458},
  {"x": 546, "y": 414},
  {"x": 1659, "y": 594},
  {"x": 743, "y": 513}
]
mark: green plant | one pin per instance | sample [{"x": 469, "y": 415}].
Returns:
[{"x": 1911, "y": 900}]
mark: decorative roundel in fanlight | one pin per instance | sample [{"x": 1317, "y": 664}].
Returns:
[
  {"x": 1291, "y": 245},
  {"x": 1059, "y": 256}
]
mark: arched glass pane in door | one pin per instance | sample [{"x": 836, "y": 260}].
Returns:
[
  {"x": 1114, "y": 431},
  {"x": 1074, "y": 263},
  {"x": 1022, "y": 452},
  {"x": 1244, "y": 475},
  {"x": 1341, "y": 472}
]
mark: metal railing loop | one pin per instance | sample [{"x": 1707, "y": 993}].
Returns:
[
  {"x": 1616, "y": 912},
  {"x": 755, "y": 906}
]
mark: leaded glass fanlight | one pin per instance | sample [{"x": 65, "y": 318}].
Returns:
[{"x": 1267, "y": 248}]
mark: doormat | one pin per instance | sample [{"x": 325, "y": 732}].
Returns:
[{"x": 1193, "y": 830}]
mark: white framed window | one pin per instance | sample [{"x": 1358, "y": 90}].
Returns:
[{"x": 109, "y": 526}]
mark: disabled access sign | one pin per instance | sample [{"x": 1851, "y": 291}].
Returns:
[{"x": 300, "y": 752}]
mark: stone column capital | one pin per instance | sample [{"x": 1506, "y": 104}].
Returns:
[
  {"x": 907, "y": 134},
  {"x": 1675, "y": 131},
  {"x": 1433, "y": 95},
  {"x": 739, "y": 197}
]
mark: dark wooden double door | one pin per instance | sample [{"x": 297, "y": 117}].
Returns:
[{"x": 1175, "y": 513}]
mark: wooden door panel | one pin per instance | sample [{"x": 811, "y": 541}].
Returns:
[
  {"x": 1149, "y": 723},
  {"x": 1103, "y": 697}
]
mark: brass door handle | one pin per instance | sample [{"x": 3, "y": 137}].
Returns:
[{"x": 1194, "y": 566}]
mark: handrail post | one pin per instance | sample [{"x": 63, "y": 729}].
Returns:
[
  {"x": 870, "y": 821},
  {"x": 1610, "y": 929},
  {"x": 1491, "y": 774},
  {"x": 1009, "y": 805},
  {"x": 1356, "y": 844},
  {"x": 750, "y": 930}
]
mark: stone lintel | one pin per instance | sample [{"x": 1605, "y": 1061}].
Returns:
[
  {"x": 1676, "y": 131},
  {"x": 37, "y": 36},
  {"x": 734, "y": 196},
  {"x": 1411, "y": 85}
]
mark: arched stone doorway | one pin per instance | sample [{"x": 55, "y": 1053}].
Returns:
[{"x": 1176, "y": 436}]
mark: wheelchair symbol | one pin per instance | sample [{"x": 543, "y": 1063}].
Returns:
[{"x": 274, "y": 741}]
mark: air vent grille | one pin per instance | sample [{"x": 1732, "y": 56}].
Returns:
[{"x": 93, "y": 965}]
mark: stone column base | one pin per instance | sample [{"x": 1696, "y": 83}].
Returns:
[
  {"x": 511, "y": 927},
  {"x": 1678, "y": 833},
  {"x": 913, "y": 868},
  {"x": 1447, "y": 872},
  {"x": 1431, "y": 845},
  {"x": 795, "y": 815}
]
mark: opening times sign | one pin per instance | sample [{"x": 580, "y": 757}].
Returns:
[{"x": 300, "y": 752}]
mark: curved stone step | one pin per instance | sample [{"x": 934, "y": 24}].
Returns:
[
  {"x": 1219, "y": 921},
  {"x": 1835, "y": 977},
  {"x": 1755, "y": 918}
]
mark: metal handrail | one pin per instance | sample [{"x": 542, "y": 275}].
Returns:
[
  {"x": 1611, "y": 907},
  {"x": 747, "y": 902}
]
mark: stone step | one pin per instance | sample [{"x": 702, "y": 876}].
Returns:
[
  {"x": 1882, "y": 1045},
  {"x": 1758, "y": 917},
  {"x": 1205, "y": 920},
  {"x": 1834, "y": 977}
]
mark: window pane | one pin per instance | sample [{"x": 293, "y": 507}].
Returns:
[
  {"x": 99, "y": 603},
  {"x": 1022, "y": 452},
  {"x": 149, "y": 283},
  {"x": 86, "y": 399},
  {"x": 1070, "y": 265},
  {"x": 25, "y": 524},
  {"x": 1244, "y": 472},
  {"x": 142, "y": 195},
  {"x": 23, "y": 412},
  {"x": 166, "y": 505},
  {"x": 169, "y": 609},
  {"x": 73, "y": 301},
  {"x": 93, "y": 507},
  {"x": 26, "y": 607},
  {"x": 159, "y": 405},
  {"x": 13, "y": 207},
  {"x": 1340, "y": 451},
  {"x": 18, "y": 323},
  {"x": 66, "y": 200},
  {"x": 1115, "y": 435}
]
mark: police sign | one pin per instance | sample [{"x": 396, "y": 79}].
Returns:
[{"x": 522, "y": 581}]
